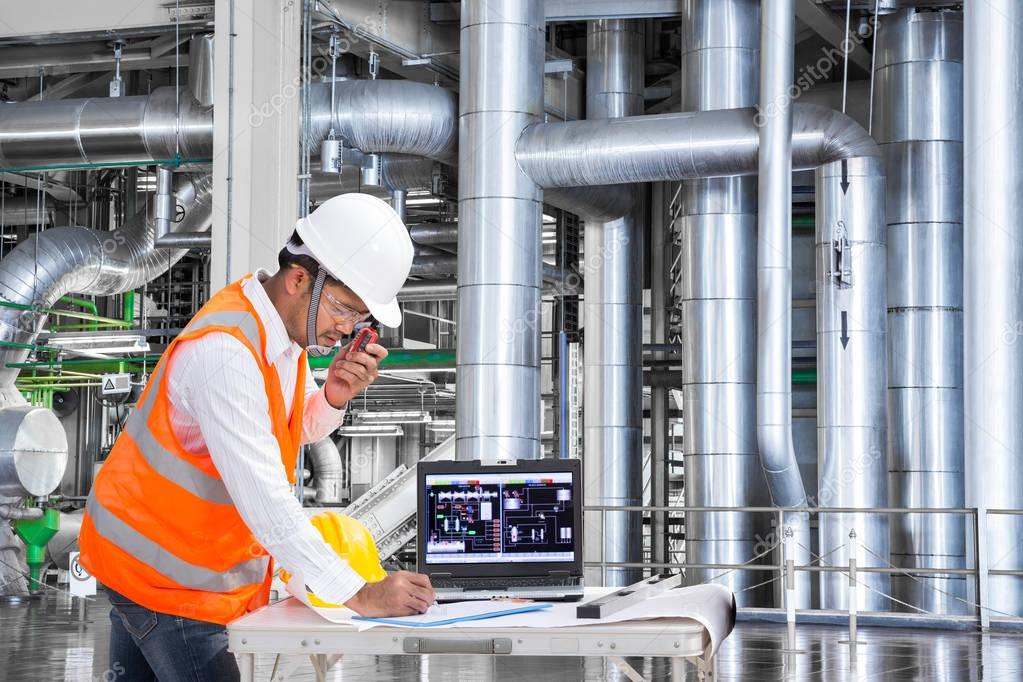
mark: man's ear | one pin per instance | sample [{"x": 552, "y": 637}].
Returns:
[{"x": 296, "y": 281}]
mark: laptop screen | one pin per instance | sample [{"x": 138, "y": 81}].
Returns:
[{"x": 499, "y": 518}]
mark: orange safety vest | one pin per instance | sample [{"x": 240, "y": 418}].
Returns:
[{"x": 160, "y": 527}]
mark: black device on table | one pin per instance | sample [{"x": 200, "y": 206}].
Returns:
[{"x": 501, "y": 530}]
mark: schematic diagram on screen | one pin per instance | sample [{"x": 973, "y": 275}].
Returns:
[{"x": 500, "y": 518}]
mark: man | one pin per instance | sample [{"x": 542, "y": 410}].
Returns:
[{"x": 195, "y": 496}]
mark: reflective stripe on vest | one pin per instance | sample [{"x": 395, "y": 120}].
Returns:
[
  {"x": 159, "y": 458},
  {"x": 160, "y": 560}
]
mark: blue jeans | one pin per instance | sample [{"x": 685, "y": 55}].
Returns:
[{"x": 146, "y": 645}]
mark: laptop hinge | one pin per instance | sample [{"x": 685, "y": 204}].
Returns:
[
  {"x": 440, "y": 575},
  {"x": 559, "y": 574}
]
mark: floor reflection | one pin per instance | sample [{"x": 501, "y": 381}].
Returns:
[{"x": 55, "y": 639}]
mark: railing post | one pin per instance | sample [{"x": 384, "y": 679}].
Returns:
[
  {"x": 853, "y": 587},
  {"x": 980, "y": 528}
]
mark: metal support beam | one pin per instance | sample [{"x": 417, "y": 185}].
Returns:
[
  {"x": 583, "y": 10},
  {"x": 256, "y": 126},
  {"x": 832, "y": 29}
]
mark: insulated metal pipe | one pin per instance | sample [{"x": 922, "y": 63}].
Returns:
[
  {"x": 716, "y": 230},
  {"x": 774, "y": 285},
  {"x": 686, "y": 146},
  {"x": 613, "y": 322},
  {"x": 922, "y": 138},
  {"x": 164, "y": 201},
  {"x": 993, "y": 289},
  {"x": 499, "y": 256},
  {"x": 166, "y": 126},
  {"x": 852, "y": 381}
]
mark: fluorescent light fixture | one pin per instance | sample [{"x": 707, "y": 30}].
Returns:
[
  {"x": 424, "y": 202},
  {"x": 94, "y": 343},
  {"x": 371, "y": 430},
  {"x": 393, "y": 417}
]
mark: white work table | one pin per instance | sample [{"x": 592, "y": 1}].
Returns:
[{"x": 288, "y": 627}]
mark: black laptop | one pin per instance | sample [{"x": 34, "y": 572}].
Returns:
[{"x": 501, "y": 530}]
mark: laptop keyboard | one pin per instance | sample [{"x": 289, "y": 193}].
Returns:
[{"x": 501, "y": 583}]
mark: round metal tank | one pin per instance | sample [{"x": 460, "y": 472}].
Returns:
[
  {"x": 33, "y": 451},
  {"x": 922, "y": 140}
]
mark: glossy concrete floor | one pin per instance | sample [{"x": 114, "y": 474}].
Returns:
[{"x": 55, "y": 639}]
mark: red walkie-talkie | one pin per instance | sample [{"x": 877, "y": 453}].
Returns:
[{"x": 366, "y": 334}]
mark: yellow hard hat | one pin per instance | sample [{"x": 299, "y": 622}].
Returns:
[{"x": 352, "y": 542}]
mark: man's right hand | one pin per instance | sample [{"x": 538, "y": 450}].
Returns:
[{"x": 399, "y": 594}]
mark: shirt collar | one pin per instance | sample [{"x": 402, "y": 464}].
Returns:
[{"x": 277, "y": 340}]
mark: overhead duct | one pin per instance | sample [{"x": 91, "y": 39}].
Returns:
[
  {"x": 716, "y": 232},
  {"x": 922, "y": 139},
  {"x": 166, "y": 126},
  {"x": 993, "y": 289},
  {"x": 686, "y": 146},
  {"x": 387, "y": 116},
  {"x": 65, "y": 260},
  {"x": 26, "y": 209},
  {"x": 434, "y": 234},
  {"x": 499, "y": 208},
  {"x": 406, "y": 120},
  {"x": 613, "y": 321}
]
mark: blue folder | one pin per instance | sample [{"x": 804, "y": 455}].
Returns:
[{"x": 460, "y": 619}]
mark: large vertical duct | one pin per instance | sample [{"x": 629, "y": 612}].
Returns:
[
  {"x": 919, "y": 126},
  {"x": 613, "y": 315},
  {"x": 499, "y": 216},
  {"x": 852, "y": 377},
  {"x": 718, "y": 232},
  {"x": 774, "y": 284},
  {"x": 993, "y": 286}
]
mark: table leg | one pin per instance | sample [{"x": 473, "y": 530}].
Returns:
[
  {"x": 247, "y": 667},
  {"x": 319, "y": 662},
  {"x": 625, "y": 668}
]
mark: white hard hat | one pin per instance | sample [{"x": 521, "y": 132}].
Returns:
[{"x": 362, "y": 242}]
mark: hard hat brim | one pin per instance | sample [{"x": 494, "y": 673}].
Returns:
[{"x": 388, "y": 314}]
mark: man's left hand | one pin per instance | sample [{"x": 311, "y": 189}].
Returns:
[{"x": 349, "y": 373}]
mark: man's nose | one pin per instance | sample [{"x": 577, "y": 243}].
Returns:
[{"x": 344, "y": 327}]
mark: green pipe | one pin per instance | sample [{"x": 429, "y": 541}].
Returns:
[
  {"x": 88, "y": 306},
  {"x": 803, "y": 222},
  {"x": 83, "y": 303},
  {"x": 44, "y": 396},
  {"x": 128, "y": 303},
  {"x": 86, "y": 364},
  {"x": 804, "y": 376},
  {"x": 63, "y": 313},
  {"x": 404, "y": 358}
]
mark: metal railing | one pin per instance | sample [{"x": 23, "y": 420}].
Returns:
[{"x": 975, "y": 538}]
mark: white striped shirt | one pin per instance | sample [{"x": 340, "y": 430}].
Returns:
[{"x": 219, "y": 405}]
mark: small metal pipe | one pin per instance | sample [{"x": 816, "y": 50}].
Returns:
[
  {"x": 398, "y": 198},
  {"x": 164, "y": 202}
]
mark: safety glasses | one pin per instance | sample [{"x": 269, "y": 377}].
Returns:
[{"x": 340, "y": 312}]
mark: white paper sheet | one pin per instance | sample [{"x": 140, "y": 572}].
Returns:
[{"x": 709, "y": 605}]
